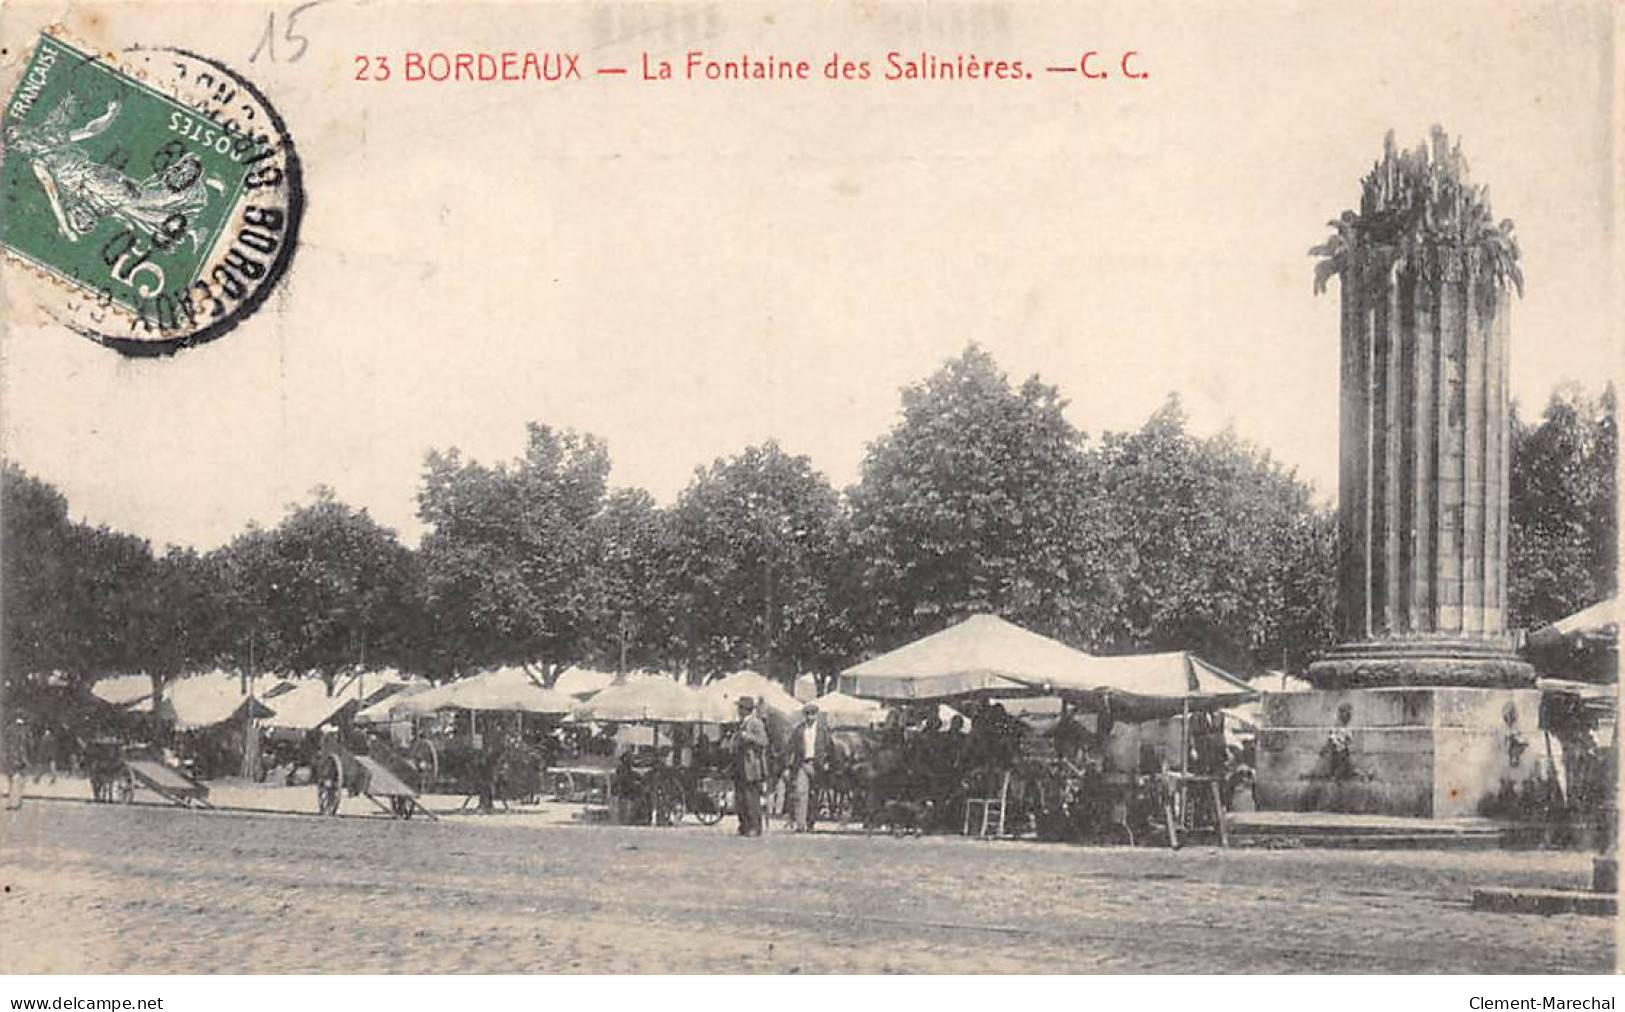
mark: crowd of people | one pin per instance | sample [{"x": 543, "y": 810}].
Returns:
[{"x": 926, "y": 759}]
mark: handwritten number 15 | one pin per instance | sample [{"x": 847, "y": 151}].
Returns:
[{"x": 268, "y": 40}]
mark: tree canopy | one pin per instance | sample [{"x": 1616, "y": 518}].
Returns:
[
  {"x": 980, "y": 499},
  {"x": 1563, "y": 537},
  {"x": 760, "y": 542},
  {"x": 507, "y": 553},
  {"x": 1219, "y": 549},
  {"x": 324, "y": 591},
  {"x": 983, "y": 497}
]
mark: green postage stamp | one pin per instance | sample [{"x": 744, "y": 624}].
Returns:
[{"x": 154, "y": 194}]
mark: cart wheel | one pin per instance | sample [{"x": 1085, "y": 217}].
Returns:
[
  {"x": 710, "y": 814},
  {"x": 426, "y": 758},
  {"x": 667, "y": 798},
  {"x": 708, "y": 806},
  {"x": 124, "y": 789},
  {"x": 329, "y": 785}
]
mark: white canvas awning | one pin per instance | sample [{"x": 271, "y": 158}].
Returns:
[
  {"x": 731, "y": 688},
  {"x": 582, "y": 681},
  {"x": 983, "y": 654},
  {"x": 200, "y": 701},
  {"x": 303, "y": 704},
  {"x": 1599, "y": 622},
  {"x": 841, "y": 710},
  {"x": 132, "y": 691},
  {"x": 506, "y": 689},
  {"x": 655, "y": 699},
  {"x": 1153, "y": 685},
  {"x": 382, "y": 711}
]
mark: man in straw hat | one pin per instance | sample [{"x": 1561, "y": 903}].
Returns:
[
  {"x": 750, "y": 767},
  {"x": 810, "y": 749}
]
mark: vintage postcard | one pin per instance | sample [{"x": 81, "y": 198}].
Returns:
[{"x": 824, "y": 488}]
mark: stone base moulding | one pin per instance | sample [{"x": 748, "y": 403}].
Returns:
[
  {"x": 1430, "y": 752},
  {"x": 1409, "y": 662}
]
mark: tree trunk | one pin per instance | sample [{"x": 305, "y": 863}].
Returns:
[
  {"x": 158, "y": 684},
  {"x": 251, "y": 747}
]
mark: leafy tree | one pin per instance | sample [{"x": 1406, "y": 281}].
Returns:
[
  {"x": 1562, "y": 541},
  {"x": 178, "y": 619},
  {"x": 635, "y": 601},
  {"x": 35, "y": 580},
  {"x": 759, "y": 540},
  {"x": 980, "y": 499},
  {"x": 508, "y": 553},
  {"x": 110, "y": 601},
  {"x": 76, "y": 597},
  {"x": 326, "y": 589},
  {"x": 1220, "y": 549}
]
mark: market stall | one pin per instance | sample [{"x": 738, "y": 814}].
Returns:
[
  {"x": 485, "y": 736},
  {"x": 216, "y": 718},
  {"x": 1171, "y": 703},
  {"x": 1114, "y": 758},
  {"x": 662, "y": 784}
]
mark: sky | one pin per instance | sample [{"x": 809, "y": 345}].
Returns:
[{"x": 687, "y": 269}]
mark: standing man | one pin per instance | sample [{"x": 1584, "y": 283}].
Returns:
[
  {"x": 750, "y": 767},
  {"x": 810, "y": 747}
]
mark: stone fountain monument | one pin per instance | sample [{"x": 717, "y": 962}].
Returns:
[{"x": 1423, "y": 708}]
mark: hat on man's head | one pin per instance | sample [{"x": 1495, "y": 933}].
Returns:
[
  {"x": 745, "y": 703},
  {"x": 810, "y": 709}
]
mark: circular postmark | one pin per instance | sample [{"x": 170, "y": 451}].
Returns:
[{"x": 154, "y": 194}]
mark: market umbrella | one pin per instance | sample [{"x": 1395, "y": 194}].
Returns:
[
  {"x": 380, "y": 712},
  {"x": 200, "y": 701},
  {"x": 303, "y": 704},
  {"x": 580, "y": 682},
  {"x": 769, "y": 693},
  {"x": 654, "y": 700},
  {"x": 124, "y": 690},
  {"x": 1599, "y": 622},
  {"x": 1147, "y": 686},
  {"x": 428, "y": 701},
  {"x": 1584, "y": 646},
  {"x": 509, "y": 689},
  {"x": 506, "y": 690},
  {"x": 983, "y": 654},
  {"x": 843, "y": 711}
]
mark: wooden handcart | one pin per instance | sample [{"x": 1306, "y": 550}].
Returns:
[
  {"x": 115, "y": 772},
  {"x": 339, "y": 770}
]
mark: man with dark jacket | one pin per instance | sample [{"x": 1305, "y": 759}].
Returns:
[
  {"x": 750, "y": 767},
  {"x": 810, "y": 748}
]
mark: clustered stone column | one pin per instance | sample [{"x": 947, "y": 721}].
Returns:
[{"x": 1422, "y": 534}]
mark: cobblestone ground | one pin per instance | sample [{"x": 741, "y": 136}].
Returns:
[{"x": 101, "y": 888}]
